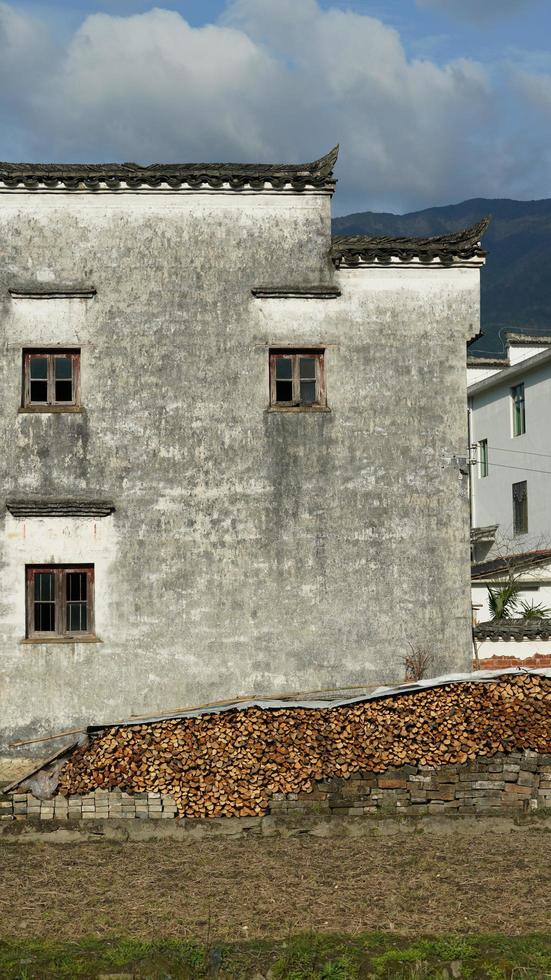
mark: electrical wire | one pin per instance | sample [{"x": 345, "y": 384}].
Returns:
[
  {"x": 519, "y": 452},
  {"x": 523, "y": 469}
]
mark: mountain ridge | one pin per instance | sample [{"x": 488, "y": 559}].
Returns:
[{"x": 516, "y": 281}]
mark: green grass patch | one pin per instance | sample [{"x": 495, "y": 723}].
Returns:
[{"x": 309, "y": 956}]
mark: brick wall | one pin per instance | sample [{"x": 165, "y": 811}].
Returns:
[
  {"x": 505, "y": 783},
  {"x": 497, "y": 662}
]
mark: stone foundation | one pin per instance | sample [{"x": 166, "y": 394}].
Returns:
[{"x": 503, "y": 784}]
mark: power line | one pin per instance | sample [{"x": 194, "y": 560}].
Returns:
[
  {"x": 523, "y": 469},
  {"x": 519, "y": 452}
]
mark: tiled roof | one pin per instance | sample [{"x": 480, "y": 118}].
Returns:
[
  {"x": 60, "y": 508},
  {"x": 527, "y": 340},
  {"x": 506, "y": 563},
  {"x": 487, "y": 362},
  {"x": 322, "y": 291},
  {"x": 111, "y": 175},
  {"x": 514, "y": 629},
  {"x": 352, "y": 249},
  {"x": 487, "y": 533},
  {"x": 40, "y": 291}
]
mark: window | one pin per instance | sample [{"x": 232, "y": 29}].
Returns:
[
  {"x": 51, "y": 379},
  {"x": 297, "y": 379},
  {"x": 520, "y": 508},
  {"x": 60, "y": 601},
  {"x": 519, "y": 415},
  {"x": 483, "y": 457}
]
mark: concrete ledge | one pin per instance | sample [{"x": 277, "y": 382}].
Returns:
[{"x": 32, "y": 830}]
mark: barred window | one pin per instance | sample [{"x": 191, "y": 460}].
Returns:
[
  {"x": 520, "y": 508},
  {"x": 60, "y": 601}
]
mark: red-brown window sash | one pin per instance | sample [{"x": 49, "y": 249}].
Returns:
[
  {"x": 60, "y": 573},
  {"x": 295, "y": 356},
  {"x": 50, "y": 357}
]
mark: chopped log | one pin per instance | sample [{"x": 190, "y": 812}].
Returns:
[{"x": 231, "y": 763}]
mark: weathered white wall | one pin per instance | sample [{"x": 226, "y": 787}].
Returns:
[
  {"x": 250, "y": 552},
  {"x": 477, "y": 373},
  {"x": 518, "y": 352}
]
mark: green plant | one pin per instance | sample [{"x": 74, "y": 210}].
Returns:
[
  {"x": 340, "y": 969},
  {"x": 531, "y": 611},
  {"x": 503, "y": 601}
]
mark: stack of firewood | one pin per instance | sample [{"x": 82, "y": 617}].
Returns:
[{"x": 230, "y": 763}]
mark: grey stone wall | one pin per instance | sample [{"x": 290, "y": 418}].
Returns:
[{"x": 250, "y": 552}]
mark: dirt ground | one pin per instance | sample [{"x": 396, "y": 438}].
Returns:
[{"x": 272, "y": 888}]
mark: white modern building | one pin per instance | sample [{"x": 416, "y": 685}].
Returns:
[
  {"x": 509, "y": 410},
  {"x": 510, "y": 437}
]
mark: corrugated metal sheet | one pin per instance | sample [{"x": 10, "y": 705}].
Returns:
[{"x": 479, "y": 676}]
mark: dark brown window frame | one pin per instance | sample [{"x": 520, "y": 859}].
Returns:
[
  {"x": 51, "y": 404},
  {"x": 295, "y": 404},
  {"x": 61, "y": 633}
]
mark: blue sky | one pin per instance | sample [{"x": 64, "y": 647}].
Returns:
[{"x": 433, "y": 101}]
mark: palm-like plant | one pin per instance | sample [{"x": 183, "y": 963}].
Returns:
[
  {"x": 503, "y": 601},
  {"x": 531, "y": 611}
]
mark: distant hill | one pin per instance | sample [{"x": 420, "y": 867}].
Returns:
[{"x": 516, "y": 282}]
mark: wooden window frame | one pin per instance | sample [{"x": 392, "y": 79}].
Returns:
[
  {"x": 51, "y": 404},
  {"x": 518, "y": 398},
  {"x": 60, "y": 603},
  {"x": 294, "y": 355}
]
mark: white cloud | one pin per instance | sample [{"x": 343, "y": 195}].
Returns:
[
  {"x": 535, "y": 89},
  {"x": 270, "y": 81}
]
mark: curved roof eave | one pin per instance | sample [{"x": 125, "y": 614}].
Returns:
[{"x": 89, "y": 176}]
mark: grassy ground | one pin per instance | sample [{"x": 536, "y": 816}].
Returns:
[
  {"x": 230, "y": 908},
  {"x": 303, "y": 957},
  {"x": 271, "y": 888}
]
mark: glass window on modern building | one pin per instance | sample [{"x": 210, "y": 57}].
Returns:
[
  {"x": 519, "y": 411},
  {"x": 483, "y": 458}
]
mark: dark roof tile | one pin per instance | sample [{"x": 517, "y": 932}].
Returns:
[
  {"x": 352, "y": 249},
  {"x": 320, "y": 291},
  {"x": 487, "y": 362},
  {"x": 238, "y": 175},
  {"x": 506, "y": 563},
  {"x": 60, "y": 508},
  {"x": 527, "y": 340},
  {"x": 514, "y": 629}
]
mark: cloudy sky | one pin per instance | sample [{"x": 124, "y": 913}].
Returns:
[{"x": 432, "y": 101}]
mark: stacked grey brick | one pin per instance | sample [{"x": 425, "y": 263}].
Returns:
[{"x": 516, "y": 782}]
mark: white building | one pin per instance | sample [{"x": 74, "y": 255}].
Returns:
[
  {"x": 510, "y": 437},
  {"x": 222, "y": 468},
  {"x": 516, "y": 641},
  {"x": 510, "y": 430}
]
